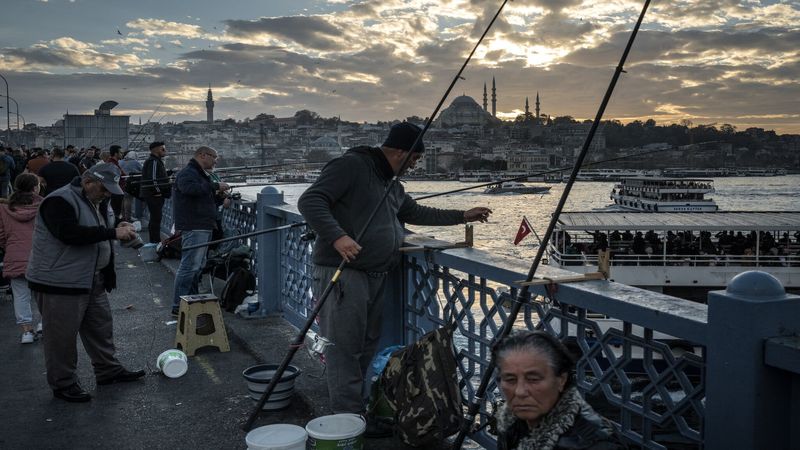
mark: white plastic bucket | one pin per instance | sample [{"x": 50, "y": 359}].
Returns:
[
  {"x": 277, "y": 437},
  {"x": 148, "y": 252},
  {"x": 172, "y": 363},
  {"x": 336, "y": 432}
]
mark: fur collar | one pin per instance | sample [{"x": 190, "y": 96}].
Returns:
[{"x": 547, "y": 432}]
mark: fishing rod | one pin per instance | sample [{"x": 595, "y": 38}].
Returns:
[
  {"x": 389, "y": 188},
  {"x": 424, "y": 197},
  {"x": 130, "y": 144},
  {"x": 522, "y": 295}
]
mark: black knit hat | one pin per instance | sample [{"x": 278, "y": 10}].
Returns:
[{"x": 403, "y": 135}]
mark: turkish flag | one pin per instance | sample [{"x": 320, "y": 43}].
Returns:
[{"x": 524, "y": 230}]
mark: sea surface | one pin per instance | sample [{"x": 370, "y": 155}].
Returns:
[{"x": 780, "y": 193}]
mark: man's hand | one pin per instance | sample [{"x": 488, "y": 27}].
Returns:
[
  {"x": 223, "y": 186},
  {"x": 125, "y": 231},
  {"x": 348, "y": 248},
  {"x": 480, "y": 214}
]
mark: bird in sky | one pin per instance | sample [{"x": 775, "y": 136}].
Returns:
[{"x": 119, "y": 32}]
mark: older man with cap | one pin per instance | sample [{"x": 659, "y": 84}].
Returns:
[
  {"x": 337, "y": 207},
  {"x": 70, "y": 270}
]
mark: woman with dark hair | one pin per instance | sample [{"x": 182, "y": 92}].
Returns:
[
  {"x": 16, "y": 233},
  {"x": 543, "y": 409}
]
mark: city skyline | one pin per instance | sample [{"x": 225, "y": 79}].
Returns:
[{"x": 708, "y": 62}]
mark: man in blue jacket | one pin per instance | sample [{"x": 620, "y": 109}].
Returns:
[{"x": 194, "y": 201}]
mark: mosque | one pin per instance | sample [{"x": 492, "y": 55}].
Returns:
[{"x": 464, "y": 110}]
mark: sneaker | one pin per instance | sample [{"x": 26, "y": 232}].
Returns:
[
  {"x": 38, "y": 329},
  {"x": 27, "y": 338},
  {"x": 175, "y": 312}
]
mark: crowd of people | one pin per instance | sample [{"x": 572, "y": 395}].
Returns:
[
  {"x": 61, "y": 212},
  {"x": 730, "y": 246}
]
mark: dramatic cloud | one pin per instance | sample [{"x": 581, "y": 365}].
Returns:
[{"x": 723, "y": 61}]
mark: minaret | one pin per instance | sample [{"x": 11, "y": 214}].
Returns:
[
  {"x": 485, "y": 99},
  {"x": 209, "y": 107},
  {"x": 527, "y": 109},
  {"x": 537, "y": 106},
  {"x": 494, "y": 98}
]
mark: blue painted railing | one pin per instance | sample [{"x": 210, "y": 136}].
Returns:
[{"x": 671, "y": 373}]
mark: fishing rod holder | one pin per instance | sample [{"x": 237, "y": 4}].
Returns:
[
  {"x": 467, "y": 243},
  {"x": 316, "y": 344}
]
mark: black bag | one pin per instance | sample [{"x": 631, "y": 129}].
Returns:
[
  {"x": 420, "y": 382},
  {"x": 241, "y": 283},
  {"x": 133, "y": 185},
  {"x": 170, "y": 247}
]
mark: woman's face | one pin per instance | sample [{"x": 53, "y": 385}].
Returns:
[{"x": 529, "y": 385}]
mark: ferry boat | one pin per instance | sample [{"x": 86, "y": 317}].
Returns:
[
  {"x": 653, "y": 194},
  {"x": 514, "y": 187},
  {"x": 475, "y": 177},
  {"x": 612, "y": 174},
  {"x": 680, "y": 254},
  {"x": 260, "y": 179}
]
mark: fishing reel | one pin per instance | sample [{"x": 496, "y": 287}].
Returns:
[
  {"x": 316, "y": 345},
  {"x": 235, "y": 196},
  {"x": 308, "y": 236}
]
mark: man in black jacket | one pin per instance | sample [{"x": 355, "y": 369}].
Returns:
[
  {"x": 337, "y": 206},
  {"x": 71, "y": 268},
  {"x": 155, "y": 188},
  {"x": 195, "y": 204},
  {"x": 57, "y": 173}
]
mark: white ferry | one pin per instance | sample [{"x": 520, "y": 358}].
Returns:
[
  {"x": 514, "y": 187},
  {"x": 680, "y": 254},
  {"x": 479, "y": 176},
  {"x": 653, "y": 194},
  {"x": 260, "y": 179},
  {"x": 612, "y": 174}
]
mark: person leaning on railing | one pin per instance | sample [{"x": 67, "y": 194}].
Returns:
[{"x": 543, "y": 409}]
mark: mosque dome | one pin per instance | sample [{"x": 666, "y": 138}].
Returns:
[{"x": 463, "y": 110}]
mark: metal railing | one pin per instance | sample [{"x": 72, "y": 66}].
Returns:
[{"x": 669, "y": 372}]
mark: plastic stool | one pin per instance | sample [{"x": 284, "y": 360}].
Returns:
[{"x": 186, "y": 336}]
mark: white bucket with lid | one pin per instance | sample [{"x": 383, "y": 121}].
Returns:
[
  {"x": 336, "y": 432},
  {"x": 277, "y": 437},
  {"x": 172, "y": 363}
]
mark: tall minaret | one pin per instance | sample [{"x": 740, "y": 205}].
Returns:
[
  {"x": 494, "y": 98},
  {"x": 485, "y": 100},
  {"x": 537, "y": 105},
  {"x": 209, "y": 107},
  {"x": 527, "y": 109}
]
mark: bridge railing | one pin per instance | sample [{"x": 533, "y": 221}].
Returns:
[{"x": 669, "y": 372}]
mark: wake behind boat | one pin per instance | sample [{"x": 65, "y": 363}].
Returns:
[{"x": 514, "y": 187}]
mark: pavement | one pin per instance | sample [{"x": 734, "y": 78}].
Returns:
[{"x": 204, "y": 409}]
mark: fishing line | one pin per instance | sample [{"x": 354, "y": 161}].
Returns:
[
  {"x": 300, "y": 338},
  {"x": 522, "y": 295}
]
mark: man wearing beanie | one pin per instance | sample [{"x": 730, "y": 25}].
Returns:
[{"x": 337, "y": 207}]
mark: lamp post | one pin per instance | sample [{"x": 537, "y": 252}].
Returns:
[
  {"x": 8, "y": 112},
  {"x": 16, "y": 104}
]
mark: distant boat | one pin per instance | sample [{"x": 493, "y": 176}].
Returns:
[
  {"x": 513, "y": 187},
  {"x": 260, "y": 179},
  {"x": 655, "y": 194}
]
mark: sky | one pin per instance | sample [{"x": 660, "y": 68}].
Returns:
[{"x": 706, "y": 61}]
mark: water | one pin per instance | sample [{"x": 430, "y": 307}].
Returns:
[{"x": 497, "y": 236}]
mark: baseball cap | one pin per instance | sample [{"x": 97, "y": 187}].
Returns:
[{"x": 108, "y": 174}]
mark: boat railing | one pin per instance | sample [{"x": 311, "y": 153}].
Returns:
[
  {"x": 660, "y": 394},
  {"x": 625, "y": 259}
]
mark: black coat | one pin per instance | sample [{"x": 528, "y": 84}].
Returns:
[
  {"x": 589, "y": 432},
  {"x": 194, "y": 199}
]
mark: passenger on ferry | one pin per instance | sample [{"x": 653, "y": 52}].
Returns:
[
  {"x": 639, "y": 244},
  {"x": 336, "y": 207},
  {"x": 71, "y": 268},
  {"x": 543, "y": 408}
]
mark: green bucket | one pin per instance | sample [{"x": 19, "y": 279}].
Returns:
[{"x": 336, "y": 432}]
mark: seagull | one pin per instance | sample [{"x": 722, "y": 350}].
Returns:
[{"x": 119, "y": 32}]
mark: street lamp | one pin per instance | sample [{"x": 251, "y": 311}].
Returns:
[
  {"x": 17, "y": 105},
  {"x": 8, "y": 112}
]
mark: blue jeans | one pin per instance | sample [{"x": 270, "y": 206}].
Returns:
[{"x": 192, "y": 262}]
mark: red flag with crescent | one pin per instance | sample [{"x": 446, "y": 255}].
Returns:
[{"x": 524, "y": 230}]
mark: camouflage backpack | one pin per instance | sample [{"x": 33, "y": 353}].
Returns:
[{"x": 420, "y": 382}]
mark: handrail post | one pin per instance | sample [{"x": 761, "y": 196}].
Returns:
[
  {"x": 269, "y": 252},
  {"x": 748, "y": 403}
]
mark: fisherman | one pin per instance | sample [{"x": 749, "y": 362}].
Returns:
[
  {"x": 71, "y": 268},
  {"x": 155, "y": 188},
  {"x": 337, "y": 207}
]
